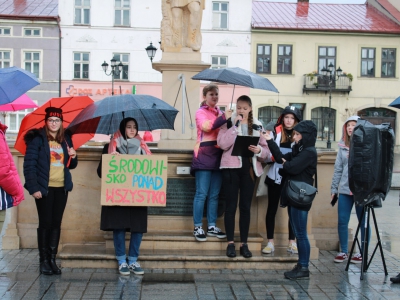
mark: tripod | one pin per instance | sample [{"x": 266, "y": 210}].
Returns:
[{"x": 367, "y": 209}]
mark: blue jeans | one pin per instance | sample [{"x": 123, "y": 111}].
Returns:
[
  {"x": 208, "y": 185},
  {"x": 134, "y": 245},
  {"x": 345, "y": 205},
  {"x": 298, "y": 219}
]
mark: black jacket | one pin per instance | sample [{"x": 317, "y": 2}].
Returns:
[
  {"x": 130, "y": 218},
  {"x": 301, "y": 163},
  {"x": 37, "y": 162}
]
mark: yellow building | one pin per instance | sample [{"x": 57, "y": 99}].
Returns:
[{"x": 292, "y": 43}]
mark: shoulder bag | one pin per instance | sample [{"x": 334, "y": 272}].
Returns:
[{"x": 300, "y": 194}]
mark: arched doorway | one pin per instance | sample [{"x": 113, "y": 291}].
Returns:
[
  {"x": 378, "y": 116},
  {"x": 325, "y": 120}
]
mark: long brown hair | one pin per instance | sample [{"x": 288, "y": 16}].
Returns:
[
  {"x": 284, "y": 137},
  {"x": 346, "y": 136},
  {"x": 59, "y": 136},
  {"x": 206, "y": 89},
  {"x": 247, "y": 99}
]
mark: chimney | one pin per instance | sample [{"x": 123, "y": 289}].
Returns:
[{"x": 304, "y": 1}]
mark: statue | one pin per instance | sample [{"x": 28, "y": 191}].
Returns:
[{"x": 181, "y": 23}]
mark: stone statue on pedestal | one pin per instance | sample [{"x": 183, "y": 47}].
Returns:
[{"x": 181, "y": 24}]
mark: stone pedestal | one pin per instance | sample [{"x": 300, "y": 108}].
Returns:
[{"x": 177, "y": 67}]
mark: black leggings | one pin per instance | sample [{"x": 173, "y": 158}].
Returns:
[
  {"x": 51, "y": 208},
  {"x": 274, "y": 194},
  {"x": 233, "y": 181}
]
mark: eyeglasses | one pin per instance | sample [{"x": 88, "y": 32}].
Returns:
[{"x": 54, "y": 121}]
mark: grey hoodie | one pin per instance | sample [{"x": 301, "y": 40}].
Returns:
[{"x": 340, "y": 180}]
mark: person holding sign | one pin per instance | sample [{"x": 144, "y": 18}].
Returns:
[
  {"x": 283, "y": 137},
  {"x": 120, "y": 219},
  {"x": 49, "y": 157},
  {"x": 239, "y": 172},
  {"x": 205, "y": 164}
]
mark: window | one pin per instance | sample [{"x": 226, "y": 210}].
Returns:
[
  {"x": 5, "y": 31},
  {"x": 284, "y": 59},
  {"x": 82, "y": 12},
  {"x": 263, "y": 59},
  {"x": 219, "y": 62},
  {"x": 32, "y": 32},
  {"x": 267, "y": 114},
  {"x": 388, "y": 62},
  {"x": 15, "y": 118},
  {"x": 326, "y": 56},
  {"x": 5, "y": 59},
  {"x": 31, "y": 61},
  {"x": 122, "y": 12},
  {"x": 368, "y": 62},
  {"x": 325, "y": 121},
  {"x": 81, "y": 65},
  {"x": 124, "y": 58},
  {"x": 220, "y": 15}
]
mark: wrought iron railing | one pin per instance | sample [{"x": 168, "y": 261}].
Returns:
[{"x": 319, "y": 82}]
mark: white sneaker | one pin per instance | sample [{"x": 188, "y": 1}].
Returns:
[
  {"x": 293, "y": 248},
  {"x": 269, "y": 248}
]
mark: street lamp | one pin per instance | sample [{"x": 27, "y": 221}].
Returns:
[
  {"x": 151, "y": 51},
  {"x": 331, "y": 78},
  {"x": 115, "y": 70}
]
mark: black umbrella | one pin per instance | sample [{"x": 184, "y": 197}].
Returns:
[
  {"x": 236, "y": 76},
  {"x": 104, "y": 116},
  {"x": 395, "y": 103}
]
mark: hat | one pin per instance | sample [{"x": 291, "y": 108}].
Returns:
[{"x": 53, "y": 112}]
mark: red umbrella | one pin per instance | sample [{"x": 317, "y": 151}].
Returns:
[
  {"x": 20, "y": 103},
  {"x": 71, "y": 107}
]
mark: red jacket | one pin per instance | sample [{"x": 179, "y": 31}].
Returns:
[{"x": 9, "y": 178}]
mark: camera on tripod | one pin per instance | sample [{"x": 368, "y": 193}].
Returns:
[{"x": 371, "y": 162}]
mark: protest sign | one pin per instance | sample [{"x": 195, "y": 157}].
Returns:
[{"x": 134, "y": 180}]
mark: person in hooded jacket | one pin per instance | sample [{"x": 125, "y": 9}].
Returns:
[
  {"x": 121, "y": 219},
  {"x": 340, "y": 185},
  {"x": 301, "y": 165},
  {"x": 283, "y": 133},
  {"x": 49, "y": 157},
  {"x": 239, "y": 173},
  {"x": 9, "y": 178}
]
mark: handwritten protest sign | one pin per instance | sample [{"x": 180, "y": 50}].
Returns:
[{"x": 134, "y": 180}]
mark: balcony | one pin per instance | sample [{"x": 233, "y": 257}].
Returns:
[{"x": 320, "y": 83}]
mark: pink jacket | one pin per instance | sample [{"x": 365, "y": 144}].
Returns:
[
  {"x": 226, "y": 140},
  {"x": 9, "y": 178}
]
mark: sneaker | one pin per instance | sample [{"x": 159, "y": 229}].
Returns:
[
  {"x": 215, "y": 231},
  {"x": 298, "y": 272},
  {"x": 356, "y": 259},
  {"x": 395, "y": 279},
  {"x": 199, "y": 234},
  {"x": 269, "y": 248},
  {"x": 341, "y": 257},
  {"x": 135, "y": 268},
  {"x": 292, "y": 248},
  {"x": 123, "y": 269}
]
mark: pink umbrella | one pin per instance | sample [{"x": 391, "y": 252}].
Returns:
[{"x": 23, "y": 102}]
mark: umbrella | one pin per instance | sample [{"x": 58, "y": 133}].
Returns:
[
  {"x": 14, "y": 82},
  {"x": 20, "y": 103},
  {"x": 395, "y": 103},
  {"x": 236, "y": 76},
  {"x": 104, "y": 116},
  {"x": 71, "y": 107}
]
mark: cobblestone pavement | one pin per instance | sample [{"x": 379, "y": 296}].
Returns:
[{"x": 20, "y": 279}]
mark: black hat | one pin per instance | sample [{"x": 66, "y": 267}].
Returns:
[{"x": 53, "y": 112}]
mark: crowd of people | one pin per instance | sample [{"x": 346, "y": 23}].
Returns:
[{"x": 289, "y": 149}]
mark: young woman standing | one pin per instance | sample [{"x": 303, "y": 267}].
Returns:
[
  {"x": 239, "y": 173},
  {"x": 48, "y": 159}
]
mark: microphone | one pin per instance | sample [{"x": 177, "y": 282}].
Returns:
[{"x": 237, "y": 122}]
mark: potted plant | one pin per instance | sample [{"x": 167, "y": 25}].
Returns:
[
  {"x": 312, "y": 74},
  {"x": 349, "y": 76},
  {"x": 315, "y": 84}
]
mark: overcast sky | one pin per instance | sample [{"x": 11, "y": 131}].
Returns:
[{"x": 324, "y": 1}]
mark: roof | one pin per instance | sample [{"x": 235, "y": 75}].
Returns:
[
  {"x": 29, "y": 8},
  {"x": 321, "y": 17},
  {"x": 390, "y": 8}
]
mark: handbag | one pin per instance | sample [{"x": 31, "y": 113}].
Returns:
[{"x": 300, "y": 194}]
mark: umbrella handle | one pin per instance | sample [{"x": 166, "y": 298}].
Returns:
[
  {"x": 233, "y": 94},
  {"x": 69, "y": 157}
]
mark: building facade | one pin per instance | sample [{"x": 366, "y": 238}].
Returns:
[
  {"x": 30, "y": 39},
  {"x": 293, "y": 42}
]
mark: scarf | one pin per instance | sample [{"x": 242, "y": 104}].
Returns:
[{"x": 130, "y": 146}]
